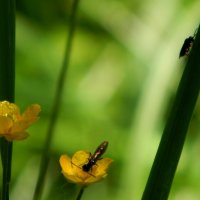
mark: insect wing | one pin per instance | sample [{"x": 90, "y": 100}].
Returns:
[
  {"x": 96, "y": 156},
  {"x": 100, "y": 150}
]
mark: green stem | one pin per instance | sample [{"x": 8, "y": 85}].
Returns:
[
  {"x": 6, "y": 153},
  {"x": 80, "y": 194},
  {"x": 170, "y": 148},
  {"x": 56, "y": 104},
  {"x": 7, "y": 80}
]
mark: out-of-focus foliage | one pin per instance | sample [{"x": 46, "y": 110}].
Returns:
[{"x": 122, "y": 78}]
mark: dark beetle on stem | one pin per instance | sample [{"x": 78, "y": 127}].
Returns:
[{"x": 187, "y": 45}]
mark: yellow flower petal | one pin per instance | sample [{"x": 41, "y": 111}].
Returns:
[
  {"x": 103, "y": 165},
  {"x": 28, "y": 117},
  {"x": 65, "y": 163},
  {"x": 5, "y": 124},
  {"x": 72, "y": 178},
  {"x": 31, "y": 113},
  {"x": 13, "y": 125},
  {"x": 68, "y": 169},
  {"x": 7, "y": 108},
  {"x": 80, "y": 158},
  {"x": 72, "y": 168},
  {"x": 16, "y": 136}
]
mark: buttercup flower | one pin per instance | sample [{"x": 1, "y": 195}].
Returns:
[
  {"x": 72, "y": 168},
  {"x": 13, "y": 125}
]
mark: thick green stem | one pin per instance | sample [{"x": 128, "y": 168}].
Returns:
[
  {"x": 80, "y": 194},
  {"x": 7, "y": 80},
  {"x": 170, "y": 148},
  {"x": 56, "y": 104}
]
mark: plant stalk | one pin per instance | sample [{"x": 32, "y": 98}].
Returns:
[
  {"x": 173, "y": 138},
  {"x": 80, "y": 194},
  {"x": 7, "y": 81},
  {"x": 56, "y": 104}
]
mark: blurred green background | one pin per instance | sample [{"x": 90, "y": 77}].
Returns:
[{"x": 120, "y": 85}]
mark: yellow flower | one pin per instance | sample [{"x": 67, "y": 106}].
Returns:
[
  {"x": 13, "y": 125},
  {"x": 72, "y": 168}
]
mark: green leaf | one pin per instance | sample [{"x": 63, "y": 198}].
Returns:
[{"x": 172, "y": 142}]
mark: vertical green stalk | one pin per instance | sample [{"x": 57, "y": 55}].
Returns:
[
  {"x": 80, "y": 194},
  {"x": 56, "y": 104},
  {"x": 7, "y": 80},
  {"x": 170, "y": 148}
]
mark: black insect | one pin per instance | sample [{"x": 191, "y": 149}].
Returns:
[
  {"x": 96, "y": 156},
  {"x": 187, "y": 45}
]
